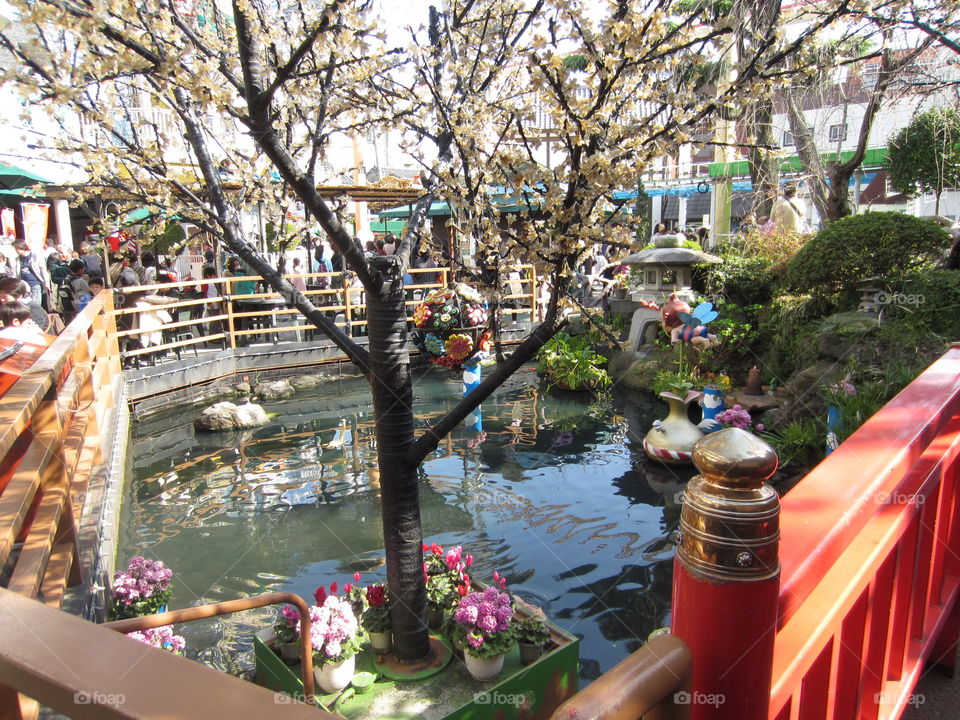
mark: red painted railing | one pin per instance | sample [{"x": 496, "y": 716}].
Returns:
[{"x": 869, "y": 576}]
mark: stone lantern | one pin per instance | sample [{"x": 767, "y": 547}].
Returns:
[{"x": 665, "y": 271}]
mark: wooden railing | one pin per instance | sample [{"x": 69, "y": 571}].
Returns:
[
  {"x": 237, "y": 316},
  {"x": 866, "y": 591},
  {"x": 50, "y": 444}
]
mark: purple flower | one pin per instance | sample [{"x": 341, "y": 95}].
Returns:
[{"x": 488, "y": 623}]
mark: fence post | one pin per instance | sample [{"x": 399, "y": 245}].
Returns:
[
  {"x": 727, "y": 576},
  {"x": 228, "y": 305}
]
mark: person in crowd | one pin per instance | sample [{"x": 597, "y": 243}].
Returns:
[
  {"x": 74, "y": 292},
  {"x": 32, "y": 272},
  {"x": 390, "y": 244},
  {"x": 300, "y": 283},
  {"x": 169, "y": 269},
  {"x": 149, "y": 262},
  {"x": 95, "y": 283},
  {"x": 378, "y": 247},
  {"x": 18, "y": 324},
  {"x": 703, "y": 236},
  {"x": 91, "y": 259},
  {"x": 58, "y": 266},
  {"x": 788, "y": 212},
  {"x": 14, "y": 289},
  {"x": 748, "y": 223},
  {"x": 212, "y": 308},
  {"x": 371, "y": 248},
  {"x": 209, "y": 261}
]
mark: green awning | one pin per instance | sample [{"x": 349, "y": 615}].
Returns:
[
  {"x": 14, "y": 178},
  {"x": 389, "y": 226},
  {"x": 874, "y": 158},
  {"x": 437, "y": 209}
]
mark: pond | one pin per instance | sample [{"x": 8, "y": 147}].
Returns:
[{"x": 555, "y": 493}]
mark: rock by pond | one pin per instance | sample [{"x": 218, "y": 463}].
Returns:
[{"x": 227, "y": 416}]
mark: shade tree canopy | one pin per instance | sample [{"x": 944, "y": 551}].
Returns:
[{"x": 153, "y": 97}]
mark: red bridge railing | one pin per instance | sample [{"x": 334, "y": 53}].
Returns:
[{"x": 863, "y": 592}]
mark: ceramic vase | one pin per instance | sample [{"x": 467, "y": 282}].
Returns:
[
  {"x": 671, "y": 440},
  {"x": 483, "y": 669},
  {"x": 334, "y": 677},
  {"x": 380, "y": 642},
  {"x": 713, "y": 405}
]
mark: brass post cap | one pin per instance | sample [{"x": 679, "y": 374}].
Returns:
[{"x": 735, "y": 458}]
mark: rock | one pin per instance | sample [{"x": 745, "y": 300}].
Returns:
[
  {"x": 809, "y": 382},
  {"x": 641, "y": 374},
  {"x": 242, "y": 388},
  {"x": 227, "y": 416},
  {"x": 841, "y": 334},
  {"x": 274, "y": 389},
  {"x": 621, "y": 362},
  {"x": 304, "y": 382}
]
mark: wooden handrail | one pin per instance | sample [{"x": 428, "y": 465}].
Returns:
[
  {"x": 88, "y": 671},
  {"x": 649, "y": 683},
  {"x": 201, "y": 612}
]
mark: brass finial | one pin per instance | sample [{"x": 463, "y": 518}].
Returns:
[{"x": 730, "y": 525}]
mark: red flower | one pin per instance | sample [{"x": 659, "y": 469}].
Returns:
[
  {"x": 320, "y": 595},
  {"x": 376, "y": 595},
  {"x": 356, "y": 577},
  {"x": 333, "y": 588},
  {"x": 347, "y": 587}
]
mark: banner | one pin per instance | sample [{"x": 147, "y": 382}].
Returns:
[
  {"x": 35, "y": 225},
  {"x": 8, "y": 218}
]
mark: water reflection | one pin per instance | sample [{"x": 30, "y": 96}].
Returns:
[{"x": 554, "y": 492}]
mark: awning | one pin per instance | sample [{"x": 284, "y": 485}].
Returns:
[{"x": 14, "y": 178}]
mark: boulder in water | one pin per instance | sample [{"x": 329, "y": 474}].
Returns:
[
  {"x": 227, "y": 416},
  {"x": 274, "y": 389}
]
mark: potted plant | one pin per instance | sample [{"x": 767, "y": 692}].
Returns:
[
  {"x": 445, "y": 573},
  {"x": 376, "y": 618},
  {"x": 160, "y": 637},
  {"x": 288, "y": 635},
  {"x": 143, "y": 589},
  {"x": 483, "y": 623},
  {"x": 532, "y": 635},
  {"x": 333, "y": 637}
]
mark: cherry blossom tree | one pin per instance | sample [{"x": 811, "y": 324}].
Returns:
[{"x": 166, "y": 91}]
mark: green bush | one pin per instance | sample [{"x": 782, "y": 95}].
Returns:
[
  {"x": 742, "y": 280},
  {"x": 861, "y": 246},
  {"x": 929, "y": 301},
  {"x": 788, "y": 333}
]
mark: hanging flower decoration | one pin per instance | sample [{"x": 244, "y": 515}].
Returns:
[
  {"x": 450, "y": 327},
  {"x": 459, "y": 346}
]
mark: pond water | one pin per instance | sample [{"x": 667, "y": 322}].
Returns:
[{"x": 555, "y": 493}]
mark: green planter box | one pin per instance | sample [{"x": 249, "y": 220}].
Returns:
[{"x": 529, "y": 692}]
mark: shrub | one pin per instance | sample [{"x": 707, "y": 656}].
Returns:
[
  {"x": 861, "y": 246},
  {"x": 742, "y": 280},
  {"x": 929, "y": 301}
]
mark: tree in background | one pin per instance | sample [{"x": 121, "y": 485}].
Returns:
[
  {"x": 924, "y": 157},
  {"x": 168, "y": 92}
]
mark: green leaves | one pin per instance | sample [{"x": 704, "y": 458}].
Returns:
[{"x": 925, "y": 155}]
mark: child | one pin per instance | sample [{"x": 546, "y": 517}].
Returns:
[{"x": 18, "y": 324}]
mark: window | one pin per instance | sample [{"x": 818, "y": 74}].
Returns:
[
  {"x": 838, "y": 133},
  {"x": 788, "y": 137}
]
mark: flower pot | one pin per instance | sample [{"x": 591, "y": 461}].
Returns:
[
  {"x": 334, "y": 677},
  {"x": 381, "y": 642},
  {"x": 529, "y": 652},
  {"x": 435, "y": 617},
  {"x": 290, "y": 651},
  {"x": 483, "y": 669},
  {"x": 671, "y": 440}
]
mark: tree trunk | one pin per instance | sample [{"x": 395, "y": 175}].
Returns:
[
  {"x": 838, "y": 193},
  {"x": 393, "y": 414},
  {"x": 764, "y": 164}
]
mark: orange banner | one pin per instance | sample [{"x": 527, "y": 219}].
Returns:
[
  {"x": 8, "y": 218},
  {"x": 35, "y": 217}
]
